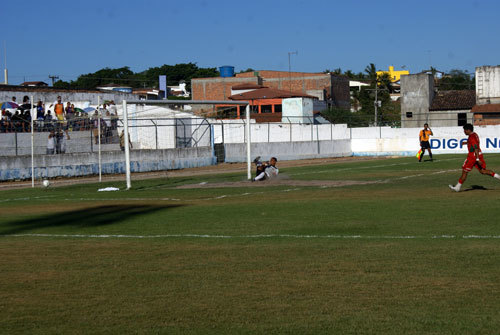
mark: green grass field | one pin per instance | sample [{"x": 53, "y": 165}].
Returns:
[{"x": 397, "y": 253}]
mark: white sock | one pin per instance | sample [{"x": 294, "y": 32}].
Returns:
[
  {"x": 496, "y": 176},
  {"x": 260, "y": 176},
  {"x": 458, "y": 186}
]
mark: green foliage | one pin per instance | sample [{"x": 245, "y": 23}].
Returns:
[
  {"x": 62, "y": 84},
  {"x": 457, "y": 80},
  {"x": 149, "y": 78},
  {"x": 345, "y": 116},
  {"x": 247, "y": 70}
]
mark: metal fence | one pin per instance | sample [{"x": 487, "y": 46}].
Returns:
[
  {"x": 85, "y": 134},
  {"x": 90, "y": 134}
]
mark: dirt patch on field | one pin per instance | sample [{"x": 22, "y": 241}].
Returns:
[{"x": 279, "y": 182}]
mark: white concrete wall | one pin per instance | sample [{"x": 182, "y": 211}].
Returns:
[
  {"x": 405, "y": 141},
  {"x": 279, "y": 132},
  {"x": 236, "y": 152},
  {"x": 488, "y": 84},
  {"x": 84, "y": 164}
]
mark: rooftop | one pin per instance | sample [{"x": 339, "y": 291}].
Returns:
[
  {"x": 453, "y": 100},
  {"x": 488, "y": 108},
  {"x": 269, "y": 93}
]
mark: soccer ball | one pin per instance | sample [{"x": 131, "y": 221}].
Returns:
[{"x": 45, "y": 183}]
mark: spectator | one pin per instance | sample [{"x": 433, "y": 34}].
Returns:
[
  {"x": 62, "y": 137},
  {"x": 70, "y": 112},
  {"x": 48, "y": 121},
  {"x": 26, "y": 120},
  {"x": 107, "y": 127},
  {"x": 16, "y": 121},
  {"x": 85, "y": 121},
  {"x": 7, "y": 121},
  {"x": 59, "y": 110},
  {"x": 122, "y": 141},
  {"x": 95, "y": 126},
  {"x": 40, "y": 115},
  {"x": 3, "y": 121},
  {"x": 26, "y": 104},
  {"x": 51, "y": 143},
  {"x": 114, "y": 114},
  {"x": 77, "y": 121}
]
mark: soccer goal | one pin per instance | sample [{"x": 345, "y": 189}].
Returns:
[{"x": 185, "y": 131}]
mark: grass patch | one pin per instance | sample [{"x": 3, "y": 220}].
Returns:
[{"x": 390, "y": 257}]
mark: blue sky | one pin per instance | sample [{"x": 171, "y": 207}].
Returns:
[{"x": 69, "y": 38}]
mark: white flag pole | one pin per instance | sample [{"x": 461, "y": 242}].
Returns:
[
  {"x": 99, "y": 133},
  {"x": 126, "y": 144},
  {"x": 32, "y": 147}
]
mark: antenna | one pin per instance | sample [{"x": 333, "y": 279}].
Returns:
[
  {"x": 5, "y": 73},
  {"x": 290, "y": 68}
]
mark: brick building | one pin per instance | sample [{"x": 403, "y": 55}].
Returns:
[{"x": 331, "y": 89}]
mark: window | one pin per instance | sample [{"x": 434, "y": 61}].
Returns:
[
  {"x": 409, "y": 114},
  {"x": 266, "y": 108},
  {"x": 462, "y": 118}
]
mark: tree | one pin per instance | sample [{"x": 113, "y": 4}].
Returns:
[
  {"x": 148, "y": 78},
  {"x": 371, "y": 72},
  {"x": 62, "y": 84},
  {"x": 457, "y": 80}
]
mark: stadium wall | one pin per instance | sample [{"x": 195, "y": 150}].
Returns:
[
  {"x": 236, "y": 152},
  {"x": 386, "y": 141},
  {"x": 86, "y": 164}
]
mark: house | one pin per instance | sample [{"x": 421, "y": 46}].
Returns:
[
  {"x": 395, "y": 76},
  {"x": 330, "y": 89},
  {"x": 148, "y": 93},
  {"x": 422, "y": 103},
  {"x": 487, "y": 114},
  {"x": 265, "y": 103},
  {"x": 487, "y": 108},
  {"x": 179, "y": 90},
  {"x": 34, "y": 84},
  {"x": 115, "y": 87}
]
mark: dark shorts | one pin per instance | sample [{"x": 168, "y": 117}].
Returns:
[{"x": 425, "y": 145}]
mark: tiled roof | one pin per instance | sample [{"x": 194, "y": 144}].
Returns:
[
  {"x": 453, "y": 100},
  {"x": 27, "y": 83},
  {"x": 268, "y": 93},
  {"x": 488, "y": 108}
]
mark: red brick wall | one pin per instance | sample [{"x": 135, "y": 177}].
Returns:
[{"x": 220, "y": 88}]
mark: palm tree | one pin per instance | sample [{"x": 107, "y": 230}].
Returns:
[{"x": 371, "y": 72}]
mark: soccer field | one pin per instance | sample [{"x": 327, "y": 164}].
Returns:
[{"x": 376, "y": 246}]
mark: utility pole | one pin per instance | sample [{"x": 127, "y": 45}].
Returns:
[
  {"x": 290, "y": 68},
  {"x": 53, "y": 78},
  {"x": 376, "y": 102}
]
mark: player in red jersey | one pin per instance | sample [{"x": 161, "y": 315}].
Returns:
[{"x": 474, "y": 158}]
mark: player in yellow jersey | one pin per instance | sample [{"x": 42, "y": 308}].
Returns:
[{"x": 424, "y": 141}]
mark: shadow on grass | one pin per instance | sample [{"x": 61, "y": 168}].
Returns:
[
  {"x": 476, "y": 188},
  {"x": 88, "y": 217}
]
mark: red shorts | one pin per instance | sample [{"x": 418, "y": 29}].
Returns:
[{"x": 470, "y": 162}]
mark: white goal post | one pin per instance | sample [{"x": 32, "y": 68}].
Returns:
[{"x": 183, "y": 102}]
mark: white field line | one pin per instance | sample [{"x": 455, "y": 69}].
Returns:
[{"x": 262, "y": 236}]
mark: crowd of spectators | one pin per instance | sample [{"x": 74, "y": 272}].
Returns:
[{"x": 58, "y": 117}]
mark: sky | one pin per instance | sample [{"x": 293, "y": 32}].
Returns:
[{"x": 70, "y": 38}]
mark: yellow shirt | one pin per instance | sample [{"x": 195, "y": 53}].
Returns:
[{"x": 424, "y": 135}]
